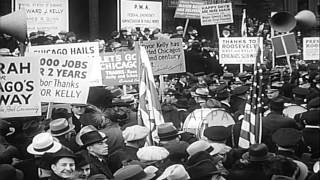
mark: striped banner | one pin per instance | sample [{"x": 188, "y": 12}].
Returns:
[
  {"x": 251, "y": 127},
  {"x": 149, "y": 109}
]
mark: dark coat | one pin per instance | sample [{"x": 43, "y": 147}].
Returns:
[
  {"x": 237, "y": 104},
  {"x": 195, "y": 62},
  {"x": 272, "y": 122},
  {"x": 98, "y": 167},
  {"x": 308, "y": 118},
  {"x": 131, "y": 152},
  {"x": 76, "y": 122}
]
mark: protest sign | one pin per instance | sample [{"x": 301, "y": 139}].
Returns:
[
  {"x": 239, "y": 50},
  {"x": 143, "y": 14},
  {"x": 216, "y": 14},
  {"x": 311, "y": 48},
  {"x": 64, "y": 79},
  {"x": 166, "y": 56},
  {"x": 43, "y": 15},
  {"x": 19, "y": 87},
  {"x": 189, "y": 9},
  {"x": 119, "y": 68},
  {"x": 78, "y": 49},
  {"x": 284, "y": 45}
]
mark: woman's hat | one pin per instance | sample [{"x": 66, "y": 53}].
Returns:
[
  {"x": 92, "y": 137},
  {"x": 257, "y": 153},
  {"x": 60, "y": 127},
  {"x": 42, "y": 143},
  {"x": 167, "y": 131},
  {"x": 131, "y": 172}
]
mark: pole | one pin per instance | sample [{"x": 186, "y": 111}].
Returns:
[
  {"x": 118, "y": 15},
  {"x": 185, "y": 28},
  {"x": 286, "y": 52},
  {"x": 241, "y": 68},
  {"x": 218, "y": 31},
  {"x": 49, "y": 108}
]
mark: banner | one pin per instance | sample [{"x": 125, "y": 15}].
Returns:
[
  {"x": 285, "y": 45},
  {"x": 19, "y": 87},
  {"x": 311, "y": 48},
  {"x": 189, "y": 9},
  {"x": 166, "y": 56},
  {"x": 50, "y": 16},
  {"x": 143, "y": 14},
  {"x": 85, "y": 49},
  {"x": 64, "y": 79},
  {"x": 119, "y": 68},
  {"x": 239, "y": 50},
  {"x": 216, "y": 14}
]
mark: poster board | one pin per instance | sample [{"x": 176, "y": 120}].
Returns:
[
  {"x": 19, "y": 87},
  {"x": 143, "y": 14},
  {"x": 50, "y": 16},
  {"x": 64, "y": 79},
  {"x": 119, "y": 68},
  {"x": 189, "y": 9},
  {"x": 212, "y": 14},
  {"x": 239, "y": 50},
  {"x": 285, "y": 45},
  {"x": 166, "y": 56},
  {"x": 78, "y": 49},
  {"x": 311, "y": 48}
]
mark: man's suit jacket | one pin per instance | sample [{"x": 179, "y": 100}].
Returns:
[{"x": 97, "y": 166}]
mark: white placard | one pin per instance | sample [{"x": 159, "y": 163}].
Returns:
[
  {"x": 311, "y": 48},
  {"x": 78, "y": 49},
  {"x": 143, "y": 14},
  {"x": 19, "y": 87},
  {"x": 216, "y": 14},
  {"x": 239, "y": 50},
  {"x": 50, "y": 16},
  {"x": 64, "y": 79}
]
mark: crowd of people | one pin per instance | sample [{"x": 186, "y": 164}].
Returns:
[{"x": 104, "y": 138}]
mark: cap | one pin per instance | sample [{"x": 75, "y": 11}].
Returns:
[{"x": 286, "y": 137}]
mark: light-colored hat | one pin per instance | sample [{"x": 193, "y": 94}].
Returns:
[
  {"x": 42, "y": 143},
  {"x": 179, "y": 28},
  {"x": 175, "y": 172},
  {"x": 152, "y": 153},
  {"x": 135, "y": 132},
  {"x": 202, "y": 92},
  {"x": 60, "y": 127},
  {"x": 198, "y": 146}
]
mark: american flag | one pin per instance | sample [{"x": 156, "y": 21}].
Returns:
[
  {"x": 244, "y": 24},
  {"x": 149, "y": 109},
  {"x": 251, "y": 127}
]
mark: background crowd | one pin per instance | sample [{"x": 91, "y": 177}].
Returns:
[{"x": 102, "y": 139}]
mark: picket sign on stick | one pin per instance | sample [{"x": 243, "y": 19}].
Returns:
[
  {"x": 185, "y": 27},
  {"x": 49, "y": 110},
  {"x": 287, "y": 55},
  {"x": 218, "y": 31}
]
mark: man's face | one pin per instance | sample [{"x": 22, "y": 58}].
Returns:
[
  {"x": 99, "y": 148},
  {"x": 84, "y": 171},
  {"x": 64, "y": 168},
  {"x": 272, "y": 94},
  {"x": 78, "y": 110}
]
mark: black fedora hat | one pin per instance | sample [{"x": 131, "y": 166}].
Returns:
[
  {"x": 92, "y": 137},
  {"x": 257, "y": 153},
  {"x": 202, "y": 169},
  {"x": 51, "y": 158},
  {"x": 60, "y": 113}
]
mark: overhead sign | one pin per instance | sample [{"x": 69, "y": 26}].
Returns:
[
  {"x": 78, "y": 49},
  {"x": 311, "y": 48},
  {"x": 64, "y": 79},
  {"x": 143, "y": 14},
  {"x": 19, "y": 87},
  {"x": 189, "y": 9},
  {"x": 119, "y": 68},
  {"x": 216, "y": 14},
  {"x": 239, "y": 50},
  {"x": 166, "y": 56},
  {"x": 50, "y": 16}
]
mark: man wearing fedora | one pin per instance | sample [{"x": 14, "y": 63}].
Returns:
[
  {"x": 96, "y": 151},
  {"x": 77, "y": 110},
  {"x": 64, "y": 132},
  {"x": 167, "y": 133},
  {"x": 62, "y": 164},
  {"x": 274, "y": 121}
]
